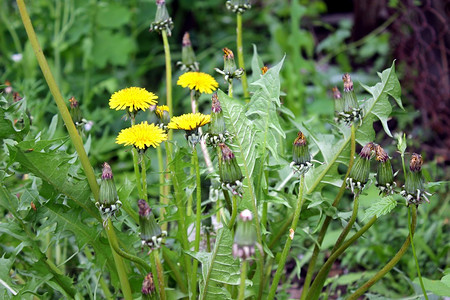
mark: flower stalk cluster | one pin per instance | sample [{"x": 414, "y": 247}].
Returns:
[
  {"x": 245, "y": 236},
  {"x": 229, "y": 71},
  {"x": 359, "y": 174},
  {"x": 217, "y": 132},
  {"x": 163, "y": 22},
  {"x": 385, "y": 175},
  {"x": 346, "y": 105},
  {"x": 108, "y": 203},
  {"x": 301, "y": 158},
  {"x": 188, "y": 61}
]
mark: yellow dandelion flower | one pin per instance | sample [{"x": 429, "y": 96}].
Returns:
[
  {"x": 142, "y": 136},
  {"x": 202, "y": 82},
  {"x": 133, "y": 99},
  {"x": 189, "y": 121},
  {"x": 160, "y": 109}
]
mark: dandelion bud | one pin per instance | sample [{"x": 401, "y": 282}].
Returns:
[
  {"x": 229, "y": 70},
  {"x": 385, "y": 175},
  {"x": 347, "y": 109},
  {"x": 188, "y": 61},
  {"x": 162, "y": 112},
  {"x": 151, "y": 233},
  {"x": 217, "y": 132},
  {"x": 300, "y": 155},
  {"x": 108, "y": 202},
  {"x": 359, "y": 174},
  {"x": 245, "y": 236},
  {"x": 238, "y": 6},
  {"x": 162, "y": 19},
  {"x": 338, "y": 101},
  {"x": 413, "y": 190},
  {"x": 148, "y": 286},
  {"x": 229, "y": 171}
]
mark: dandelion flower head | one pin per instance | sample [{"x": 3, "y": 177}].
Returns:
[
  {"x": 142, "y": 136},
  {"x": 189, "y": 121},
  {"x": 199, "y": 81},
  {"x": 132, "y": 99}
]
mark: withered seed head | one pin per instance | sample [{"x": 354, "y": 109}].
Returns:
[
  {"x": 416, "y": 162},
  {"x": 381, "y": 154},
  {"x": 348, "y": 83}
]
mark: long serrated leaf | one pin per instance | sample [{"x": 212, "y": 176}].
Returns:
[
  {"x": 244, "y": 140},
  {"x": 218, "y": 268},
  {"x": 52, "y": 166},
  {"x": 376, "y": 107}
]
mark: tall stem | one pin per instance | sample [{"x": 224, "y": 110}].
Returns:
[
  {"x": 242, "y": 280},
  {"x": 359, "y": 292},
  {"x": 415, "y": 256},
  {"x": 168, "y": 73},
  {"x": 198, "y": 218},
  {"x": 318, "y": 283},
  {"x": 160, "y": 274},
  {"x": 144, "y": 178},
  {"x": 287, "y": 246},
  {"x": 240, "y": 49},
  {"x": 120, "y": 266},
  {"x": 74, "y": 136},
  {"x": 326, "y": 223},
  {"x": 163, "y": 196}
]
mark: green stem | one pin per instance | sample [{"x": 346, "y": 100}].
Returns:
[
  {"x": 144, "y": 178},
  {"x": 163, "y": 196},
  {"x": 359, "y": 292},
  {"x": 242, "y": 281},
  {"x": 233, "y": 214},
  {"x": 175, "y": 270},
  {"x": 198, "y": 219},
  {"x": 319, "y": 281},
  {"x": 415, "y": 256},
  {"x": 326, "y": 223},
  {"x": 68, "y": 122},
  {"x": 264, "y": 215},
  {"x": 73, "y": 133},
  {"x": 160, "y": 274},
  {"x": 287, "y": 246},
  {"x": 230, "y": 90},
  {"x": 323, "y": 272},
  {"x": 168, "y": 74},
  {"x": 120, "y": 266},
  {"x": 240, "y": 50}
]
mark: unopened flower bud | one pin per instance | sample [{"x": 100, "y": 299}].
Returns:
[
  {"x": 229, "y": 171},
  {"x": 217, "y": 132},
  {"x": 359, "y": 174},
  {"x": 238, "y": 6},
  {"x": 162, "y": 112},
  {"x": 385, "y": 175},
  {"x": 151, "y": 233},
  {"x": 108, "y": 202},
  {"x": 229, "y": 71},
  {"x": 349, "y": 110},
  {"x": 300, "y": 155},
  {"x": 75, "y": 112},
  {"x": 148, "y": 285},
  {"x": 413, "y": 190},
  {"x": 338, "y": 101},
  {"x": 162, "y": 19},
  {"x": 245, "y": 236},
  {"x": 188, "y": 61}
]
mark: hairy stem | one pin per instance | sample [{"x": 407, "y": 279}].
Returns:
[
  {"x": 359, "y": 292},
  {"x": 240, "y": 50},
  {"x": 242, "y": 281},
  {"x": 287, "y": 246},
  {"x": 160, "y": 274},
  {"x": 137, "y": 174},
  {"x": 198, "y": 219},
  {"x": 144, "y": 178}
]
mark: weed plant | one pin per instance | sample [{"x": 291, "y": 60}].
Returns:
[{"x": 240, "y": 196}]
